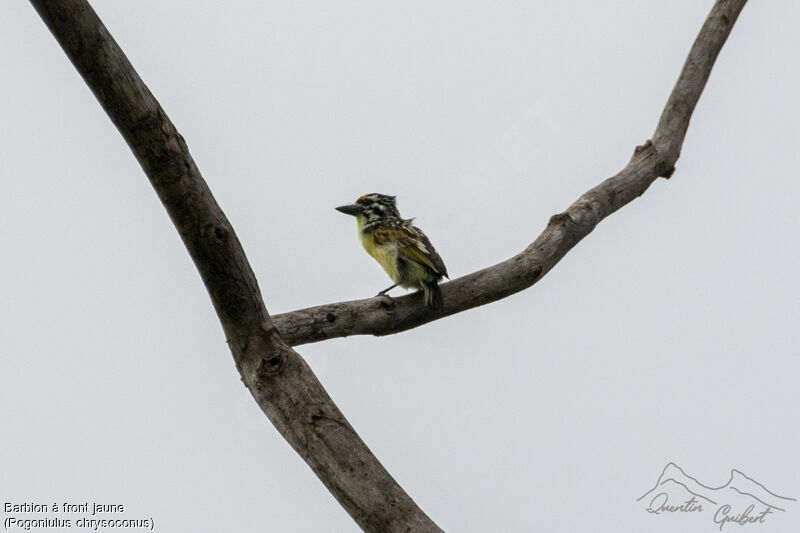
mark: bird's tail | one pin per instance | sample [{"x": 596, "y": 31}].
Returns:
[{"x": 433, "y": 296}]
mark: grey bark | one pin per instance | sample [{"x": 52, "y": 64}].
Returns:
[
  {"x": 655, "y": 158},
  {"x": 278, "y": 378}
]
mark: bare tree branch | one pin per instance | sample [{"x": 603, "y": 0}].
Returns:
[
  {"x": 278, "y": 378},
  {"x": 384, "y": 315}
]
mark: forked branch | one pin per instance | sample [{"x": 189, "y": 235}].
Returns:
[{"x": 278, "y": 378}]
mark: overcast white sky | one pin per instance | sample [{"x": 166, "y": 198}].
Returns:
[{"x": 669, "y": 334}]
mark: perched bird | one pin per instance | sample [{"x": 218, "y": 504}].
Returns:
[{"x": 404, "y": 252}]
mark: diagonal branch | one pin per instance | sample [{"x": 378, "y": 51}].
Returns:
[
  {"x": 279, "y": 379},
  {"x": 384, "y": 316}
]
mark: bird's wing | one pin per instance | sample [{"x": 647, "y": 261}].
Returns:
[
  {"x": 432, "y": 254},
  {"x": 412, "y": 244}
]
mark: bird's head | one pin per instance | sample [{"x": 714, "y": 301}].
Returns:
[{"x": 373, "y": 207}]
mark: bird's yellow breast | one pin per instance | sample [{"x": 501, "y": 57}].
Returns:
[{"x": 385, "y": 254}]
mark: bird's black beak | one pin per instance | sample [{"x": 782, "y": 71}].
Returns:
[{"x": 353, "y": 209}]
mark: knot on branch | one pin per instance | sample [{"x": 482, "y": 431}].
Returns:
[
  {"x": 642, "y": 147},
  {"x": 271, "y": 366},
  {"x": 320, "y": 413},
  {"x": 386, "y": 303},
  {"x": 662, "y": 167},
  {"x": 560, "y": 219},
  {"x": 216, "y": 232}
]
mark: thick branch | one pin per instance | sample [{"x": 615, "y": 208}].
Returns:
[
  {"x": 280, "y": 381},
  {"x": 383, "y": 316}
]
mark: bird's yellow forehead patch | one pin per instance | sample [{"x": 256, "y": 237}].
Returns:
[{"x": 362, "y": 197}]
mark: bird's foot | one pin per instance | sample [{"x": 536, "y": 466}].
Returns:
[{"x": 384, "y": 291}]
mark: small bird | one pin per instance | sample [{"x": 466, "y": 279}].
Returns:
[{"x": 404, "y": 252}]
